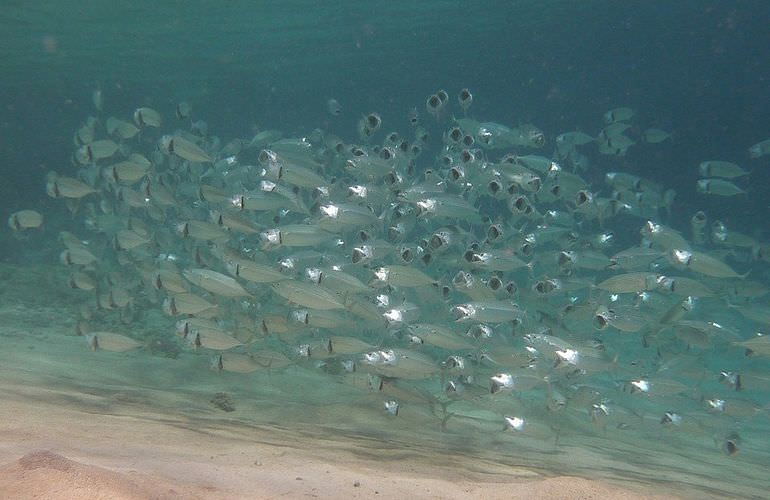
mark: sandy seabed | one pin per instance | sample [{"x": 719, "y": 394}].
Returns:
[
  {"x": 76, "y": 424},
  {"x": 54, "y": 452},
  {"x": 62, "y": 443}
]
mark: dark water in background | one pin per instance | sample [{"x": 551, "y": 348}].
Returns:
[{"x": 696, "y": 67}]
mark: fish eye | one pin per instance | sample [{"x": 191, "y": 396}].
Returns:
[
  {"x": 495, "y": 283},
  {"x": 466, "y": 156},
  {"x": 456, "y": 173},
  {"x": 392, "y": 178},
  {"x": 434, "y": 102},
  {"x": 565, "y": 258},
  {"x": 442, "y": 95},
  {"x": 436, "y": 242},
  {"x": 456, "y": 134},
  {"x": 265, "y": 156},
  {"x": 386, "y": 154},
  {"x": 468, "y": 140},
  {"x": 494, "y": 187},
  {"x": 427, "y": 259},
  {"x": 373, "y": 121},
  {"x": 601, "y": 322},
  {"x": 446, "y": 160}
]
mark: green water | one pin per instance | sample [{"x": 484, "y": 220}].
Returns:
[{"x": 697, "y": 69}]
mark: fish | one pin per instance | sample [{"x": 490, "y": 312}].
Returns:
[
  {"x": 234, "y": 222},
  {"x": 186, "y": 303},
  {"x": 621, "y": 114},
  {"x": 655, "y": 135},
  {"x": 333, "y": 107},
  {"x": 439, "y": 336},
  {"x": 718, "y": 187},
  {"x": 344, "y": 345},
  {"x": 25, "y": 219},
  {"x": 212, "y": 338},
  {"x": 254, "y": 272},
  {"x": 235, "y": 362},
  {"x": 125, "y": 172},
  {"x": 183, "y": 110},
  {"x": 719, "y": 168},
  {"x": 465, "y": 99},
  {"x": 703, "y": 263},
  {"x": 625, "y": 319},
  {"x": 760, "y": 149},
  {"x": 296, "y": 170},
  {"x": 308, "y": 295},
  {"x": 630, "y": 283},
  {"x": 121, "y": 129},
  {"x": 80, "y": 280},
  {"x": 95, "y": 151},
  {"x": 757, "y": 346},
  {"x": 169, "y": 280},
  {"x": 491, "y": 311},
  {"x": 400, "y": 276},
  {"x": 184, "y": 149},
  {"x": 202, "y": 230},
  {"x": 110, "y": 341},
  {"x": 97, "y": 98},
  {"x": 127, "y": 239},
  {"x": 147, "y": 117},
  {"x": 77, "y": 255},
  {"x": 216, "y": 283},
  {"x": 399, "y": 363},
  {"x": 683, "y": 286},
  {"x": 294, "y": 235},
  {"x": 59, "y": 186},
  {"x": 337, "y": 280}
]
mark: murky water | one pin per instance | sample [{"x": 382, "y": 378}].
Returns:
[{"x": 695, "y": 70}]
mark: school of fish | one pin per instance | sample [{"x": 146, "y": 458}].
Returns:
[{"x": 485, "y": 277}]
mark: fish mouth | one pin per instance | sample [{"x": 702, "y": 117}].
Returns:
[
  {"x": 600, "y": 321},
  {"x": 462, "y": 312}
]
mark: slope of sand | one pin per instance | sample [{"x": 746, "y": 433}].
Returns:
[
  {"x": 80, "y": 424},
  {"x": 47, "y": 475},
  {"x": 58, "y": 453}
]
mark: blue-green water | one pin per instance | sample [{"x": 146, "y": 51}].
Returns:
[{"x": 697, "y": 69}]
